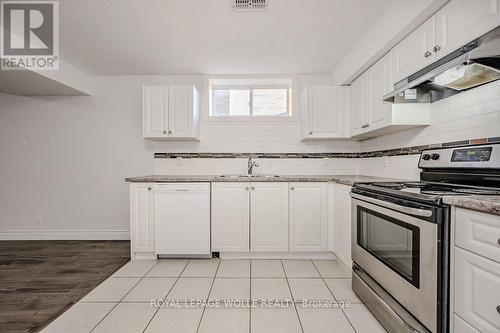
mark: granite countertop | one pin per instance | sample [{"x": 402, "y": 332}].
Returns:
[
  {"x": 341, "y": 179},
  {"x": 481, "y": 203}
]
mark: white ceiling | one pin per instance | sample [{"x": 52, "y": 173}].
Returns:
[{"x": 206, "y": 36}]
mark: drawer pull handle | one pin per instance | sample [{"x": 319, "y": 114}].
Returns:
[
  {"x": 498, "y": 241},
  {"x": 498, "y": 308}
]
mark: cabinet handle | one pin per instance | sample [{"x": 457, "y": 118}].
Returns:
[
  {"x": 247, "y": 188},
  {"x": 292, "y": 188},
  {"x": 498, "y": 241},
  {"x": 164, "y": 131},
  {"x": 436, "y": 48},
  {"x": 310, "y": 132},
  {"x": 170, "y": 132},
  {"x": 252, "y": 188},
  {"x": 498, "y": 308},
  {"x": 150, "y": 188},
  {"x": 427, "y": 54}
]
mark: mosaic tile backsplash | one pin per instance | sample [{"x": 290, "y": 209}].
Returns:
[{"x": 378, "y": 153}]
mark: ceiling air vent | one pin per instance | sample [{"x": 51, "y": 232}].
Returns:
[{"x": 249, "y": 5}]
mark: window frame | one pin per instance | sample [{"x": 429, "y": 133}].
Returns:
[{"x": 289, "y": 86}]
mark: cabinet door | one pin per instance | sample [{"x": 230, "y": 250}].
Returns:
[
  {"x": 230, "y": 217},
  {"x": 325, "y": 112},
  {"x": 181, "y": 111},
  {"x": 342, "y": 223},
  {"x": 155, "y": 111},
  {"x": 308, "y": 217},
  {"x": 141, "y": 218},
  {"x": 415, "y": 51},
  {"x": 379, "y": 76},
  {"x": 357, "y": 109},
  {"x": 477, "y": 282},
  {"x": 269, "y": 217},
  {"x": 461, "y": 21}
]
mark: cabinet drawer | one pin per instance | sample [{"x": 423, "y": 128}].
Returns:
[
  {"x": 477, "y": 282},
  {"x": 478, "y": 232},
  {"x": 461, "y": 326}
]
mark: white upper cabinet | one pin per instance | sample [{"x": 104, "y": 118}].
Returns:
[
  {"x": 380, "y": 83},
  {"x": 457, "y": 23},
  {"x": 269, "y": 217},
  {"x": 462, "y": 21},
  {"x": 370, "y": 115},
  {"x": 171, "y": 112},
  {"x": 415, "y": 51},
  {"x": 155, "y": 111},
  {"x": 358, "y": 105},
  {"x": 324, "y": 111},
  {"x": 308, "y": 217},
  {"x": 183, "y": 111}
]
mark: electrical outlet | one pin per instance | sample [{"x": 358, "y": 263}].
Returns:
[{"x": 38, "y": 218}]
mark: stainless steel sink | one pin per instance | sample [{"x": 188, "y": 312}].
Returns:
[
  {"x": 233, "y": 176},
  {"x": 249, "y": 176}
]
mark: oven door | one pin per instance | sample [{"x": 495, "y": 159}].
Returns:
[{"x": 398, "y": 250}]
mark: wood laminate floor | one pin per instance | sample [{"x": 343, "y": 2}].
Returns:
[{"x": 39, "y": 280}]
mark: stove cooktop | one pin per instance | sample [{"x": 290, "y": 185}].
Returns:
[
  {"x": 428, "y": 192},
  {"x": 429, "y": 188}
]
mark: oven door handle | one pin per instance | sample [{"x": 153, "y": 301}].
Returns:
[{"x": 393, "y": 206}]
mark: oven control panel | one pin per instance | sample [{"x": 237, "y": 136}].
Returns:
[{"x": 481, "y": 156}]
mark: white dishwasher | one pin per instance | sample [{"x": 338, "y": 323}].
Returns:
[{"x": 182, "y": 219}]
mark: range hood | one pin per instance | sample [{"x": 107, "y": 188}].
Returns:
[{"x": 472, "y": 65}]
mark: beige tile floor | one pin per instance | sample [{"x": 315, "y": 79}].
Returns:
[{"x": 243, "y": 288}]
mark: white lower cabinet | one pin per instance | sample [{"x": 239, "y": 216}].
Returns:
[
  {"x": 477, "y": 286},
  {"x": 141, "y": 220},
  {"x": 230, "y": 217},
  {"x": 258, "y": 217},
  {"x": 269, "y": 217},
  {"x": 342, "y": 223},
  {"x": 308, "y": 217}
]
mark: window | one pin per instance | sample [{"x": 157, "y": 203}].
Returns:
[{"x": 250, "y": 98}]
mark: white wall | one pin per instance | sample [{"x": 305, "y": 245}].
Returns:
[{"x": 66, "y": 157}]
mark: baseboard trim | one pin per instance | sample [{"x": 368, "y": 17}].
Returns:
[{"x": 64, "y": 234}]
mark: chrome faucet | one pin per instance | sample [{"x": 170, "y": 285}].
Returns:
[{"x": 251, "y": 164}]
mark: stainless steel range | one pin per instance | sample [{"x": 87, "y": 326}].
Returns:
[{"x": 400, "y": 236}]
